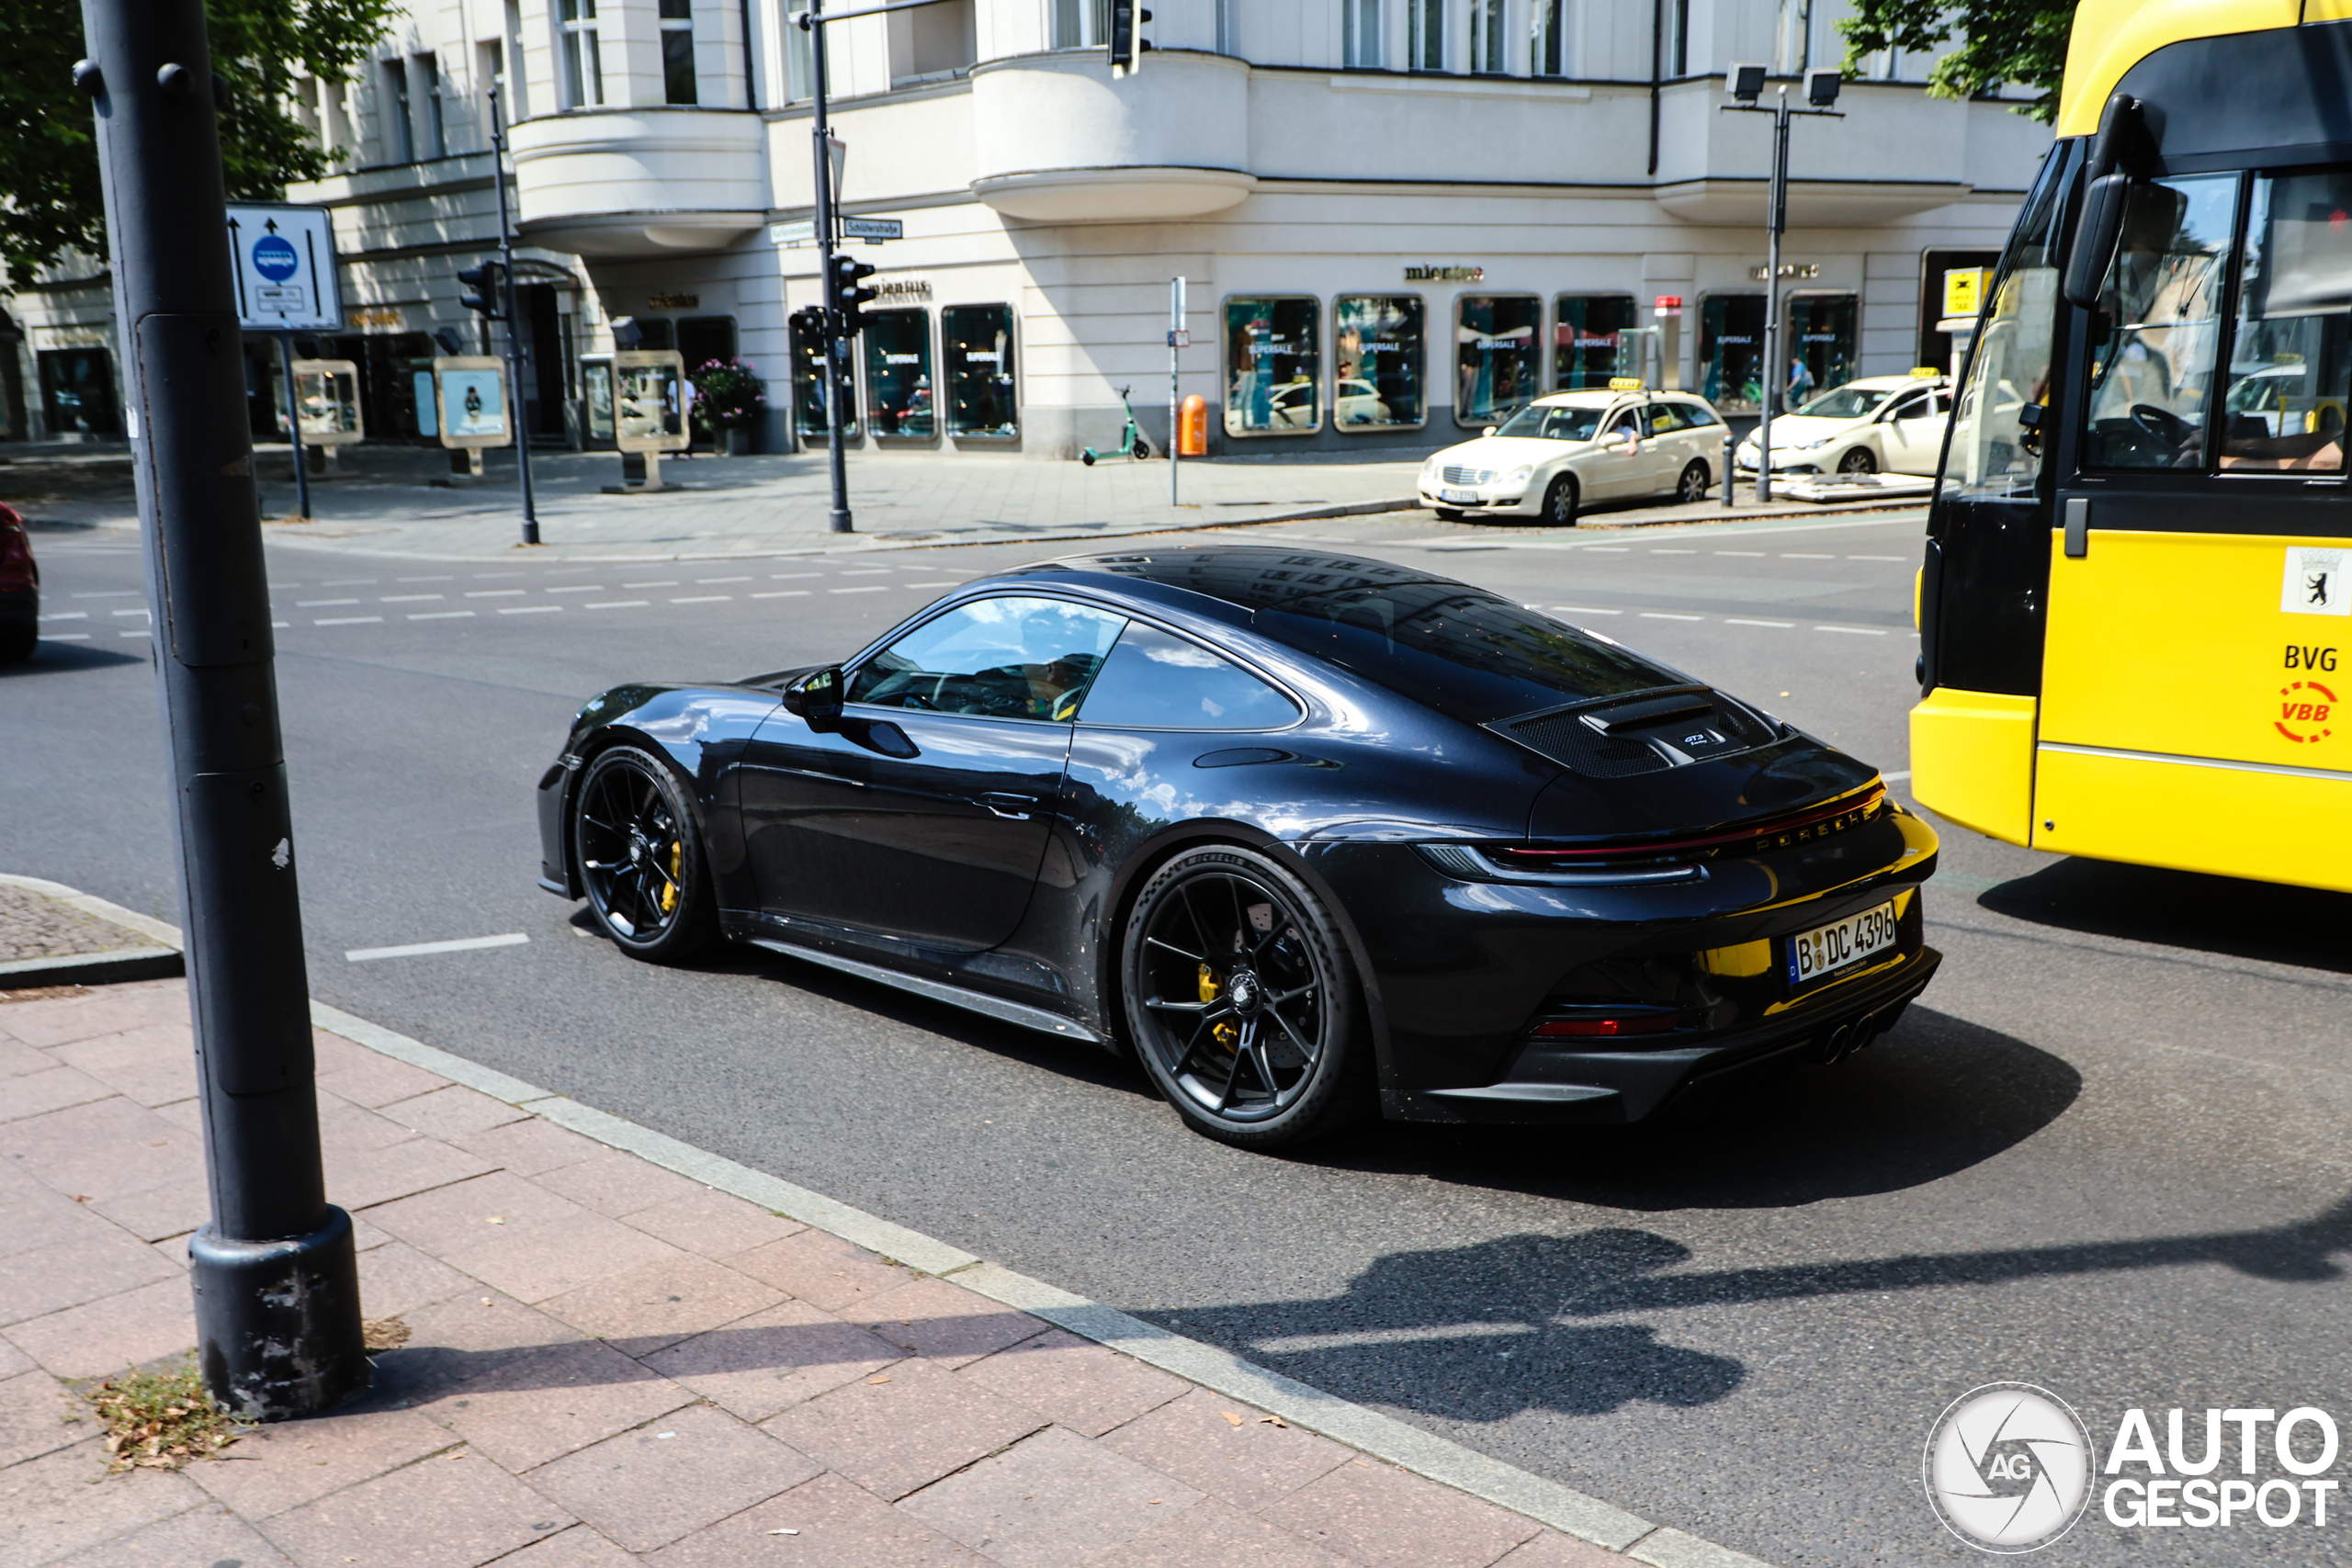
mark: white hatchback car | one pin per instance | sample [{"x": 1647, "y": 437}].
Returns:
[
  {"x": 1883, "y": 423},
  {"x": 1560, "y": 452}
]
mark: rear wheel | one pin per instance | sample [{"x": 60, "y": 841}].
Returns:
[
  {"x": 1241, "y": 1001},
  {"x": 1691, "y": 488},
  {"x": 1142, "y": 450},
  {"x": 640, "y": 858},
  {"x": 1560, "y": 502},
  {"x": 1087, "y": 457},
  {"x": 1860, "y": 460}
]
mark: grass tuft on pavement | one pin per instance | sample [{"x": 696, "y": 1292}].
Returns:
[{"x": 160, "y": 1420}]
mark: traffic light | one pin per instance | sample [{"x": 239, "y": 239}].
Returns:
[
  {"x": 1126, "y": 48},
  {"x": 485, "y": 282},
  {"x": 852, "y": 294}
]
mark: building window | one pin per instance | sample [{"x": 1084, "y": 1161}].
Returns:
[
  {"x": 1425, "y": 49},
  {"x": 1795, "y": 44},
  {"x": 584, "y": 65},
  {"x": 78, "y": 391},
  {"x": 515, "y": 101},
  {"x": 1547, "y": 53},
  {"x": 898, "y": 376},
  {"x": 982, "y": 400},
  {"x": 400, "y": 129},
  {"x": 808, "y": 416},
  {"x": 799, "y": 66},
  {"x": 1081, "y": 24},
  {"x": 1487, "y": 36},
  {"x": 1359, "y": 28},
  {"x": 1677, "y": 40},
  {"x": 1498, "y": 360},
  {"x": 1379, "y": 342},
  {"x": 1731, "y": 351},
  {"x": 1591, "y": 344},
  {"x": 425, "y": 80},
  {"x": 1821, "y": 345},
  {"x": 678, "y": 52},
  {"x": 706, "y": 340},
  {"x": 1272, "y": 366}
]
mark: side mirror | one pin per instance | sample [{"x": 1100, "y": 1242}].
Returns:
[
  {"x": 2095, "y": 239},
  {"x": 817, "y": 698}
]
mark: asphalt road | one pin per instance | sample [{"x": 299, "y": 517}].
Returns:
[{"x": 2106, "y": 1154}]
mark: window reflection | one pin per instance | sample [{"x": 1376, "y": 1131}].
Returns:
[
  {"x": 2291, "y": 362},
  {"x": 808, "y": 387},
  {"x": 1377, "y": 341},
  {"x": 977, "y": 340},
  {"x": 1497, "y": 357},
  {"x": 1592, "y": 345},
  {"x": 2161, "y": 308},
  {"x": 1731, "y": 351},
  {"x": 897, "y": 375},
  {"x": 1272, "y": 366}
]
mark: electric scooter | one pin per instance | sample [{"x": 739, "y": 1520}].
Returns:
[{"x": 1131, "y": 441}]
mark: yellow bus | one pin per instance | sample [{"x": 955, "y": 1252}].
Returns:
[{"x": 2135, "y": 609}]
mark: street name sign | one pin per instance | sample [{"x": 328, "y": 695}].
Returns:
[
  {"x": 873, "y": 229},
  {"x": 283, "y": 258}
]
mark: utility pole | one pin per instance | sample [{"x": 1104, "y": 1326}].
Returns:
[
  {"x": 1175, "y": 400},
  {"x": 294, "y": 424},
  {"x": 837, "y": 378},
  {"x": 513, "y": 323},
  {"x": 275, "y": 1278}
]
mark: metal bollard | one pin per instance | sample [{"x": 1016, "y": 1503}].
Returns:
[{"x": 1731, "y": 448}]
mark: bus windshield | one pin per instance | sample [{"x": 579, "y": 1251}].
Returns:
[{"x": 1995, "y": 451}]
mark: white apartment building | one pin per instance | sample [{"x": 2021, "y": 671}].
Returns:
[{"x": 1397, "y": 219}]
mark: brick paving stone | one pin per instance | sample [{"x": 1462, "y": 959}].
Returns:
[
  {"x": 656, "y": 1305},
  {"x": 365, "y": 1235},
  {"x": 68, "y": 1019},
  {"x": 174, "y": 1209},
  {"x": 579, "y": 1547},
  {"x": 545, "y": 1403},
  {"x": 648, "y": 1488},
  {"x": 452, "y": 1111},
  {"x": 38, "y": 1094},
  {"x": 836, "y": 1525},
  {"x": 823, "y": 1271},
  {"x": 103, "y": 1336},
  {"x": 1250, "y": 1464},
  {"x": 54, "y": 1505},
  {"x": 457, "y": 1341},
  {"x": 773, "y": 1359},
  {"x": 451, "y": 1511},
  {"x": 895, "y": 1436},
  {"x": 1550, "y": 1549},
  {"x": 346, "y": 1124},
  {"x": 154, "y": 1064},
  {"x": 366, "y": 1077},
  {"x": 287, "y": 1464},
  {"x": 714, "y": 1224},
  {"x": 17, "y": 1058},
  {"x": 1386, "y": 1517},
  {"x": 106, "y": 1149},
  {"x": 361, "y": 1177},
  {"x": 87, "y": 1269},
  {"x": 395, "y": 1279},
  {"x": 1054, "y": 1500},
  {"x": 542, "y": 1245},
  {"x": 616, "y": 1182},
  {"x": 528, "y": 1148},
  {"x": 944, "y": 1322},
  {"x": 1210, "y": 1534},
  {"x": 33, "y": 1218},
  {"x": 210, "y": 1535},
  {"x": 38, "y": 1416},
  {"x": 1075, "y": 1382},
  {"x": 13, "y": 1361}
]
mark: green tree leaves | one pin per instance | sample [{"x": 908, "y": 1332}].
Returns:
[{"x": 2021, "y": 41}]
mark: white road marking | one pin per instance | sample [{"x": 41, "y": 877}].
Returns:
[
  {"x": 579, "y": 588},
  {"x": 407, "y": 598},
  {"x": 411, "y": 579},
  {"x": 1611, "y": 549},
  {"x": 349, "y": 583},
  {"x": 312, "y": 604},
  {"x": 529, "y": 609},
  {"x": 867, "y": 588},
  {"x": 132, "y": 592},
  {"x": 1674, "y": 552},
  {"x": 1758, "y": 553},
  {"x": 784, "y": 593},
  {"x": 442, "y": 615},
  {"x": 1782, "y": 625},
  {"x": 350, "y": 621},
  {"x": 867, "y": 571},
  {"x": 1805, "y": 555},
  {"x": 953, "y": 584},
  {"x": 1878, "y": 557},
  {"x": 791, "y": 575},
  {"x": 495, "y": 592},
  {"x": 1668, "y": 615},
  {"x": 701, "y": 599},
  {"x": 665, "y": 582},
  {"x": 1853, "y": 631},
  {"x": 151, "y": 614},
  {"x": 68, "y": 616},
  {"x": 281, "y": 622},
  {"x": 707, "y": 581},
  {"x": 419, "y": 949},
  {"x": 616, "y": 605},
  {"x": 132, "y": 634},
  {"x": 1897, "y": 776},
  {"x": 488, "y": 576},
  {"x": 1583, "y": 610},
  {"x": 67, "y": 636}
]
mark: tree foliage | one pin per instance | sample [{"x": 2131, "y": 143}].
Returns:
[
  {"x": 50, "y": 198},
  {"x": 2015, "y": 41}
]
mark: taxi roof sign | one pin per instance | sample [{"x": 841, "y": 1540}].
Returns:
[
  {"x": 1926, "y": 373},
  {"x": 1625, "y": 383}
]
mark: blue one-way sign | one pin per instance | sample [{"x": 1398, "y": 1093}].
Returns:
[{"x": 284, "y": 265}]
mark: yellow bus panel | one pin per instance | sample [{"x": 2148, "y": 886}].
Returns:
[
  {"x": 1971, "y": 759},
  {"x": 2230, "y": 821},
  {"x": 2112, "y": 36}
]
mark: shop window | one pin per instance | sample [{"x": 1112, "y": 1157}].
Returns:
[
  {"x": 982, "y": 400},
  {"x": 1593, "y": 341},
  {"x": 581, "y": 63},
  {"x": 704, "y": 339},
  {"x": 678, "y": 52},
  {"x": 898, "y": 376},
  {"x": 1731, "y": 351},
  {"x": 1821, "y": 345},
  {"x": 1378, "y": 341},
  {"x": 1272, "y": 366},
  {"x": 808, "y": 415},
  {"x": 1497, "y": 363},
  {"x": 78, "y": 391}
]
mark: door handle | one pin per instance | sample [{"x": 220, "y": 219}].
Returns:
[{"x": 1013, "y": 808}]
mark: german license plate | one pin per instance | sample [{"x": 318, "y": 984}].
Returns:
[
  {"x": 1824, "y": 950},
  {"x": 1459, "y": 497}
]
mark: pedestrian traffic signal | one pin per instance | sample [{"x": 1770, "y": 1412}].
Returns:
[
  {"x": 1126, "y": 48},
  {"x": 485, "y": 281},
  {"x": 852, "y": 294}
]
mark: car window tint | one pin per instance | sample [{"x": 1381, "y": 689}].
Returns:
[
  {"x": 1665, "y": 418},
  {"x": 1004, "y": 658},
  {"x": 1698, "y": 415},
  {"x": 1154, "y": 681},
  {"x": 1911, "y": 408}
]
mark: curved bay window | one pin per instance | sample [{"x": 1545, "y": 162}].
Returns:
[
  {"x": 1731, "y": 352},
  {"x": 1592, "y": 342},
  {"x": 898, "y": 403},
  {"x": 1497, "y": 362},
  {"x": 1821, "y": 345},
  {"x": 1272, "y": 366},
  {"x": 1379, "y": 342},
  {"x": 808, "y": 416},
  {"x": 977, "y": 340}
]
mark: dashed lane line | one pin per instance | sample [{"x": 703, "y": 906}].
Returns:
[
  {"x": 442, "y": 615},
  {"x": 618, "y": 605},
  {"x": 349, "y": 621},
  {"x": 1668, "y": 615},
  {"x": 529, "y": 609},
  {"x": 784, "y": 593},
  {"x": 496, "y": 593},
  {"x": 865, "y": 588},
  {"x": 1733, "y": 621},
  {"x": 1853, "y": 631},
  {"x": 701, "y": 599},
  {"x": 579, "y": 588}
]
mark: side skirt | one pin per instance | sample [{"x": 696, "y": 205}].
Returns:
[{"x": 1026, "y": 1017}]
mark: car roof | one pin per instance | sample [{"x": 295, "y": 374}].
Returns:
[
  {"x": 1247, "y": 577},
  {"x": 1888, "y": 383}
]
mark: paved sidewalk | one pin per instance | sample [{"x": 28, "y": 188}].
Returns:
[{"x": 608, "y": 1362}]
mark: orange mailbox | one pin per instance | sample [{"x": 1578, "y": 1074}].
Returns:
[{"x": 1192, "y": 439}]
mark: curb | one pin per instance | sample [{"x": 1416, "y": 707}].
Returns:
[{"x": 163, "y": 961}]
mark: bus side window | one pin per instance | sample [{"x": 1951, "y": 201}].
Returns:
[
  {"x": 2161, "y": 313},
  {"x": 2291, "y": 358},
  {"x": 1993, "y": 457}
]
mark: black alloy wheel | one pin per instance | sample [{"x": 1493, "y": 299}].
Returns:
[
  {"x": 1691, "y": 488},
  {"x": 1860, "y": 460},
  {"x": 1240, "y": 1000},
  {"x": 640, "y": 857},
  {"x": 1560, "y": 502}
]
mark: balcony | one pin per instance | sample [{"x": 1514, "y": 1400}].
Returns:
[
  {"x": 1057, "y": 140},
  {"x": 641, "y": 182}
]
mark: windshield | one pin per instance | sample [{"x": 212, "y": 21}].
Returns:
[
  {"x": 1554, "y": 423},
  {"x": 1843, "y": 402}
]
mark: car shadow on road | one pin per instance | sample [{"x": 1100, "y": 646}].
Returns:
[
  {"x": 52, "y": 658},
  {"x": 2224, "y": 915}
]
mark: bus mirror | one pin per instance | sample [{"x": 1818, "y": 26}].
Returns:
[{"x": 2095, "y": 239}]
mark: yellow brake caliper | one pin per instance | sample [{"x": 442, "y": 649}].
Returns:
[
  {"x": 677, "y": 861},
  {"x": 1225, "y": 1034}
]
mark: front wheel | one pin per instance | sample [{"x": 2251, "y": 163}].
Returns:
[
  {"x": 1860, "y": 460},
  {"x": 640, "y": 858},
  {"x": 1142, "y": 450},
  {"x": 1241, "y": 1001},
  {"x": 1560, "y": 502},
  {"x": 1691, "y": 488},
  {"x": 1087, "y": 457}
]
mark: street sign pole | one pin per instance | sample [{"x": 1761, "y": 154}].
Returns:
[
  {"x": 274, "y": 1271},
  {"x": 513, "y": 324},
  {"x": 838, "y": 520},
  {"x": 1175, "y": 400},
  {"x": 294, "y": 424}
]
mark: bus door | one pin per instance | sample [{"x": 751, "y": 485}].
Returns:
[{"x": 2195, "y": 674}]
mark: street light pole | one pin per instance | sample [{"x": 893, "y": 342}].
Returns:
[
  {"x": 274, "y": 1271},
  {"x": 514, "y": 323},
  {"x": 838, "y": 520}
]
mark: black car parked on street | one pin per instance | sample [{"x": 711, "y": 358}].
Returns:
[{"x": 1307, "y": 832}]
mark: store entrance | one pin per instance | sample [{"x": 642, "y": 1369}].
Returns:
[{"x": 1821, "y": 345}]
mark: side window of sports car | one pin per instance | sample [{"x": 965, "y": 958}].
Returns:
[
  {"x": 1154, "y": 681},
  {"x": 1002, "y": 658}
]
